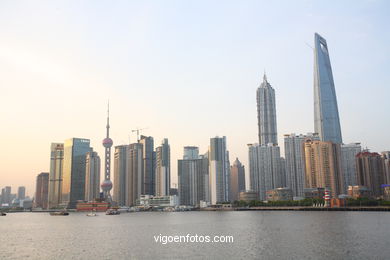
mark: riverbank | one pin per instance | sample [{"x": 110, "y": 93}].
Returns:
[
  {"x": 378, "y": 208},
  {"x": 269, "y": 208}
]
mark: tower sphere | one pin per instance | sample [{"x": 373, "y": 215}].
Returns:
[
  {"x": 106, "y": 185},
  {"x": 107, "y": 142}
]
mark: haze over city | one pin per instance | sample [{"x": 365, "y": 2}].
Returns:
[{"x": 184, "y": 71}]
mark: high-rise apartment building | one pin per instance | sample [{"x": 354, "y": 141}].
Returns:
[
  {"x": 55, "y": 174},
  {"x": 237, "y": 180},
  {"x": 92, "y": 176},
  {"x": 326, "y": 114},
  {"x": 134, "y": 180},
  {"x": 386, "y": 160},
  {"x": 219, "y": 170},
  {"x": 21, "y": 193},
  {"x": 348, "y": 163},
  {"x": 163, "y": 169},
  {"x": 42, "y": 190},
  {"x": 283, "y": 177},
  {"x": 73, "y": 181},
  {"x": 193, "y": 176},
  {"x": 149, "y": 157},
  {"x": 370, "y": 171},
  {"x": 6, "y": 195},
  {"x": 323, "y": 166},
  {"x": 266, "y": 113},
  {"x": 120, "y": 174},
  {"x": 295, "y": 161},
  {"x": 264, "y": 168}
]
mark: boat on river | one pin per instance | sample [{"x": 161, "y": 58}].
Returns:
[
  {"x": 112, "y": 212},
  {"x": 59, "y": 213},
  {"x": 92, "y": 214}
]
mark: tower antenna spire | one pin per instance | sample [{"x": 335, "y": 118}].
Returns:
[{"x": 108, "y": 119}]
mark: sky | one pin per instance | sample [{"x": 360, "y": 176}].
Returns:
[{"x": 184, "y": 70}]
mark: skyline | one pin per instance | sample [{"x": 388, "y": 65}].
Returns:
[{"x": 225, "y": 63}]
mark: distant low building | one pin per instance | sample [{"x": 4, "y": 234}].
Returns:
[
  {"x": 27, "y": 203},
  {"x": 158, "y": 201},
  {"x": 358, "y": 191},
  {"x": 248, "y": 195},
  {"x": 337, "y": 203},
  {"x": 386, "y": 192},
  {"x": 279, "y": 194},
  {"x": 314, "y": 193}
]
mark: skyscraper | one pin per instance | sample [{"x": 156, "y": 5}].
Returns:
[
  {"x": 21, "y": 193},
  {"x": 193, "y": 175},
  {"x": 190, "y": 152},
  {"x": 120, "y": 174},
  {"x": 295, "y": 161},
  {"x": 386, "y": 161},
  {"x": 219, "y": 170},
  {"x": 237, "y": 180},
  {"x": 264, "y": 168},
  {"x": 42, "y": 190},
  {"x": 134, "y": 173},
  {"x": 370, "y": 171},
  {"x": 73, "y": 181},
  {"x": 348, "y": 163},
  {"x": 55, "y": 174},
  {"x": 323, "y": 166},
  {"x": 6, "y": 195},
  {"x": 326, "y": 114},
  {"x": 148, "y": 175},
  {"x": 107, "y": 143},
  {"x": 266, "y": 113},
  {"x": 92, "y": 176},
  {"x": 283, "y": 172},
  {"x": 163, "y": 169}
]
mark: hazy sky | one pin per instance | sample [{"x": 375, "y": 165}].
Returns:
[{"x": 187, "y": 70}]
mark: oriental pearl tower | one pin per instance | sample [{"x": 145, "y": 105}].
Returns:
[{"x": 107, "y": 143}]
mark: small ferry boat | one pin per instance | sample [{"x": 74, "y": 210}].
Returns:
[
  {"x": 92, "y": 214},
  {"x": 59, "y": 213},
  {"x": 112, "y": 212}
]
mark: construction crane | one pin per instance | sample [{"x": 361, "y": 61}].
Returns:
[{"x": 137, "y": 130}]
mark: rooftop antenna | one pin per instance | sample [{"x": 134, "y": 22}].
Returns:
[{"x": 137, "y": 130}]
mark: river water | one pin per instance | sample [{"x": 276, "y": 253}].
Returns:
[{"x": 256, "y": 235}]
